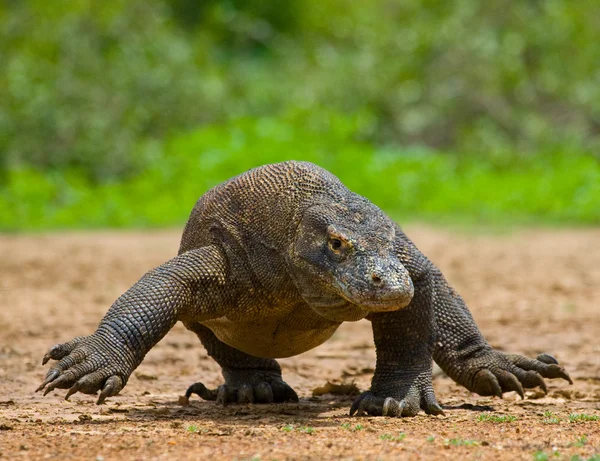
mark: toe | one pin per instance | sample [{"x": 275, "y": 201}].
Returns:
[
  {"x": 485, "y": 383},
  {"x": 60, "y": 351},
  {"x": 392, "y": 407},
  {"x": 263, "y": 393},
  {"x": 201, "y": 390},
  {"x": 52, "y": 374},
  {"x": 282, "y": 392},
  {"x": 226, "y": 394},
  {"x": 113, "y": 386},
  {"x": 509, "y": 382},
  {"x": 245, "y": 394}
]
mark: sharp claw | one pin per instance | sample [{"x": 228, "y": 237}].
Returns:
[
  {"x": 392, "y": 407},
  {"x": 112, "y": 387},
  {"x": 45, "y": 359},
  {"x": 386, "y": 406},
  {"x": 245, "y": 394},
  {"x": 486, "y": 383},
  {"x": 559, "y": 372},
  {"x": 48, "y": 390},
  {"x": 201, "y": 390},
  {"x": 75, "y": 388},
  {"x": 356, "y": 404},
  {"x": 520, "y": 392},
  {"x": 435, "y": 409},
  {"x": 360, "y": 410},
  {"x": 106, "y": 392},
  {"x": 292, "y": 395},
  {"x": 51, "y": 376},
  {"x": 511, "y": 383},
  {"x": 547, "y": 358}
]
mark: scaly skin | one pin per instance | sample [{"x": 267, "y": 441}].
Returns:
[{"x": 271, "y": 262}]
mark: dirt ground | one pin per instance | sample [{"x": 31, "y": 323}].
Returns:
[{"x": 530, "y": 292}]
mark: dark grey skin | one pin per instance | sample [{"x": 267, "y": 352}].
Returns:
[{"x": 271, "y": 262}]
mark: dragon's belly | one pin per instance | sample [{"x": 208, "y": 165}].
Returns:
[{"x": 274, "y": 337}]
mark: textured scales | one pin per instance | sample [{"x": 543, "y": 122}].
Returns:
[{"x": 271, "y": 262}]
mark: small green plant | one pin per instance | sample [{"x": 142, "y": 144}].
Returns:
[
  {"x": 431, "y": 438},
  {"x": 462, "y": 442},
  {"x": 541, "y": 456},
  {"x": 349, "y": 427},
  {"x": 393, "y": 438},
  {"x": 491, "y": 418},
  {"x": 550, "y": 418},
  {"x": 192, "y": 428},
  {"x": 580, "y": 442},
  {"x": 581, "y": 417},
  {"x": 595, "y": 457},
  {"x": 306, "y": 429}
]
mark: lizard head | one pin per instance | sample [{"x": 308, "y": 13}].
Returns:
[{"x": 346, "y": 265}]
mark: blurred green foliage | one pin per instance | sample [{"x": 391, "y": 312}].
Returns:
[
  {"x": 122, "y": 112},
  {"x": 418, "y": 183}
]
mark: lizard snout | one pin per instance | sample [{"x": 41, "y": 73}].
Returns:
[
  {"x": 382, "y": 288},
  {"x": 391, "y": 288}
]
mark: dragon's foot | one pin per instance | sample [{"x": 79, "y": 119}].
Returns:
[
  {"x": 496, "y": 372},
  {"x": 87, "y": 364},
  {"x": 398, "y": 396},
  {"x": 246, "y": 386}
]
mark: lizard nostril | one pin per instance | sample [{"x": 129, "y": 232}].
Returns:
[{"x": 376, "y": 279}]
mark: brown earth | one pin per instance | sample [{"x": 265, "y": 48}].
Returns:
[{"x": 530, "y": 292}]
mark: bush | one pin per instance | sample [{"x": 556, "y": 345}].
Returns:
[
  {"x": 409, "y": 184},
  {"x": 83, "y": 84}
]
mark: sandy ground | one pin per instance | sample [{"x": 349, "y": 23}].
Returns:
[{"x": 530, "y": 292}]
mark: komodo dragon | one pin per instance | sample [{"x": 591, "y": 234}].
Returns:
[{"x": 271, "y": 263}]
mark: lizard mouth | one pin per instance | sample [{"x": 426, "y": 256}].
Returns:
[
  {"x": 387, "y": 302},
  {"x": 342, "y": 311}
]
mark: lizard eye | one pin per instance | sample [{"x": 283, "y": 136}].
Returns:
[{"x": 337, "y": 242}]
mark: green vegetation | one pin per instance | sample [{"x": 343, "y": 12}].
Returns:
[
  {"x": 582, "y": 417},
  {"x": 550, "y": 418},
  {"x": 303, "y": 429},
  {"x": 543, "y": 456},
  {"x": 349, "y": 427},
  {"x": 393, "y": 438},
  {"x": 462, "y": 443},
  {"x": 306, "y": 429},
  {"x": 581, "y": 441},
  {"x": 553, "y": 187},
  {"x": 491, "y": 418},
  {"x": 122, "y": 113}
]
